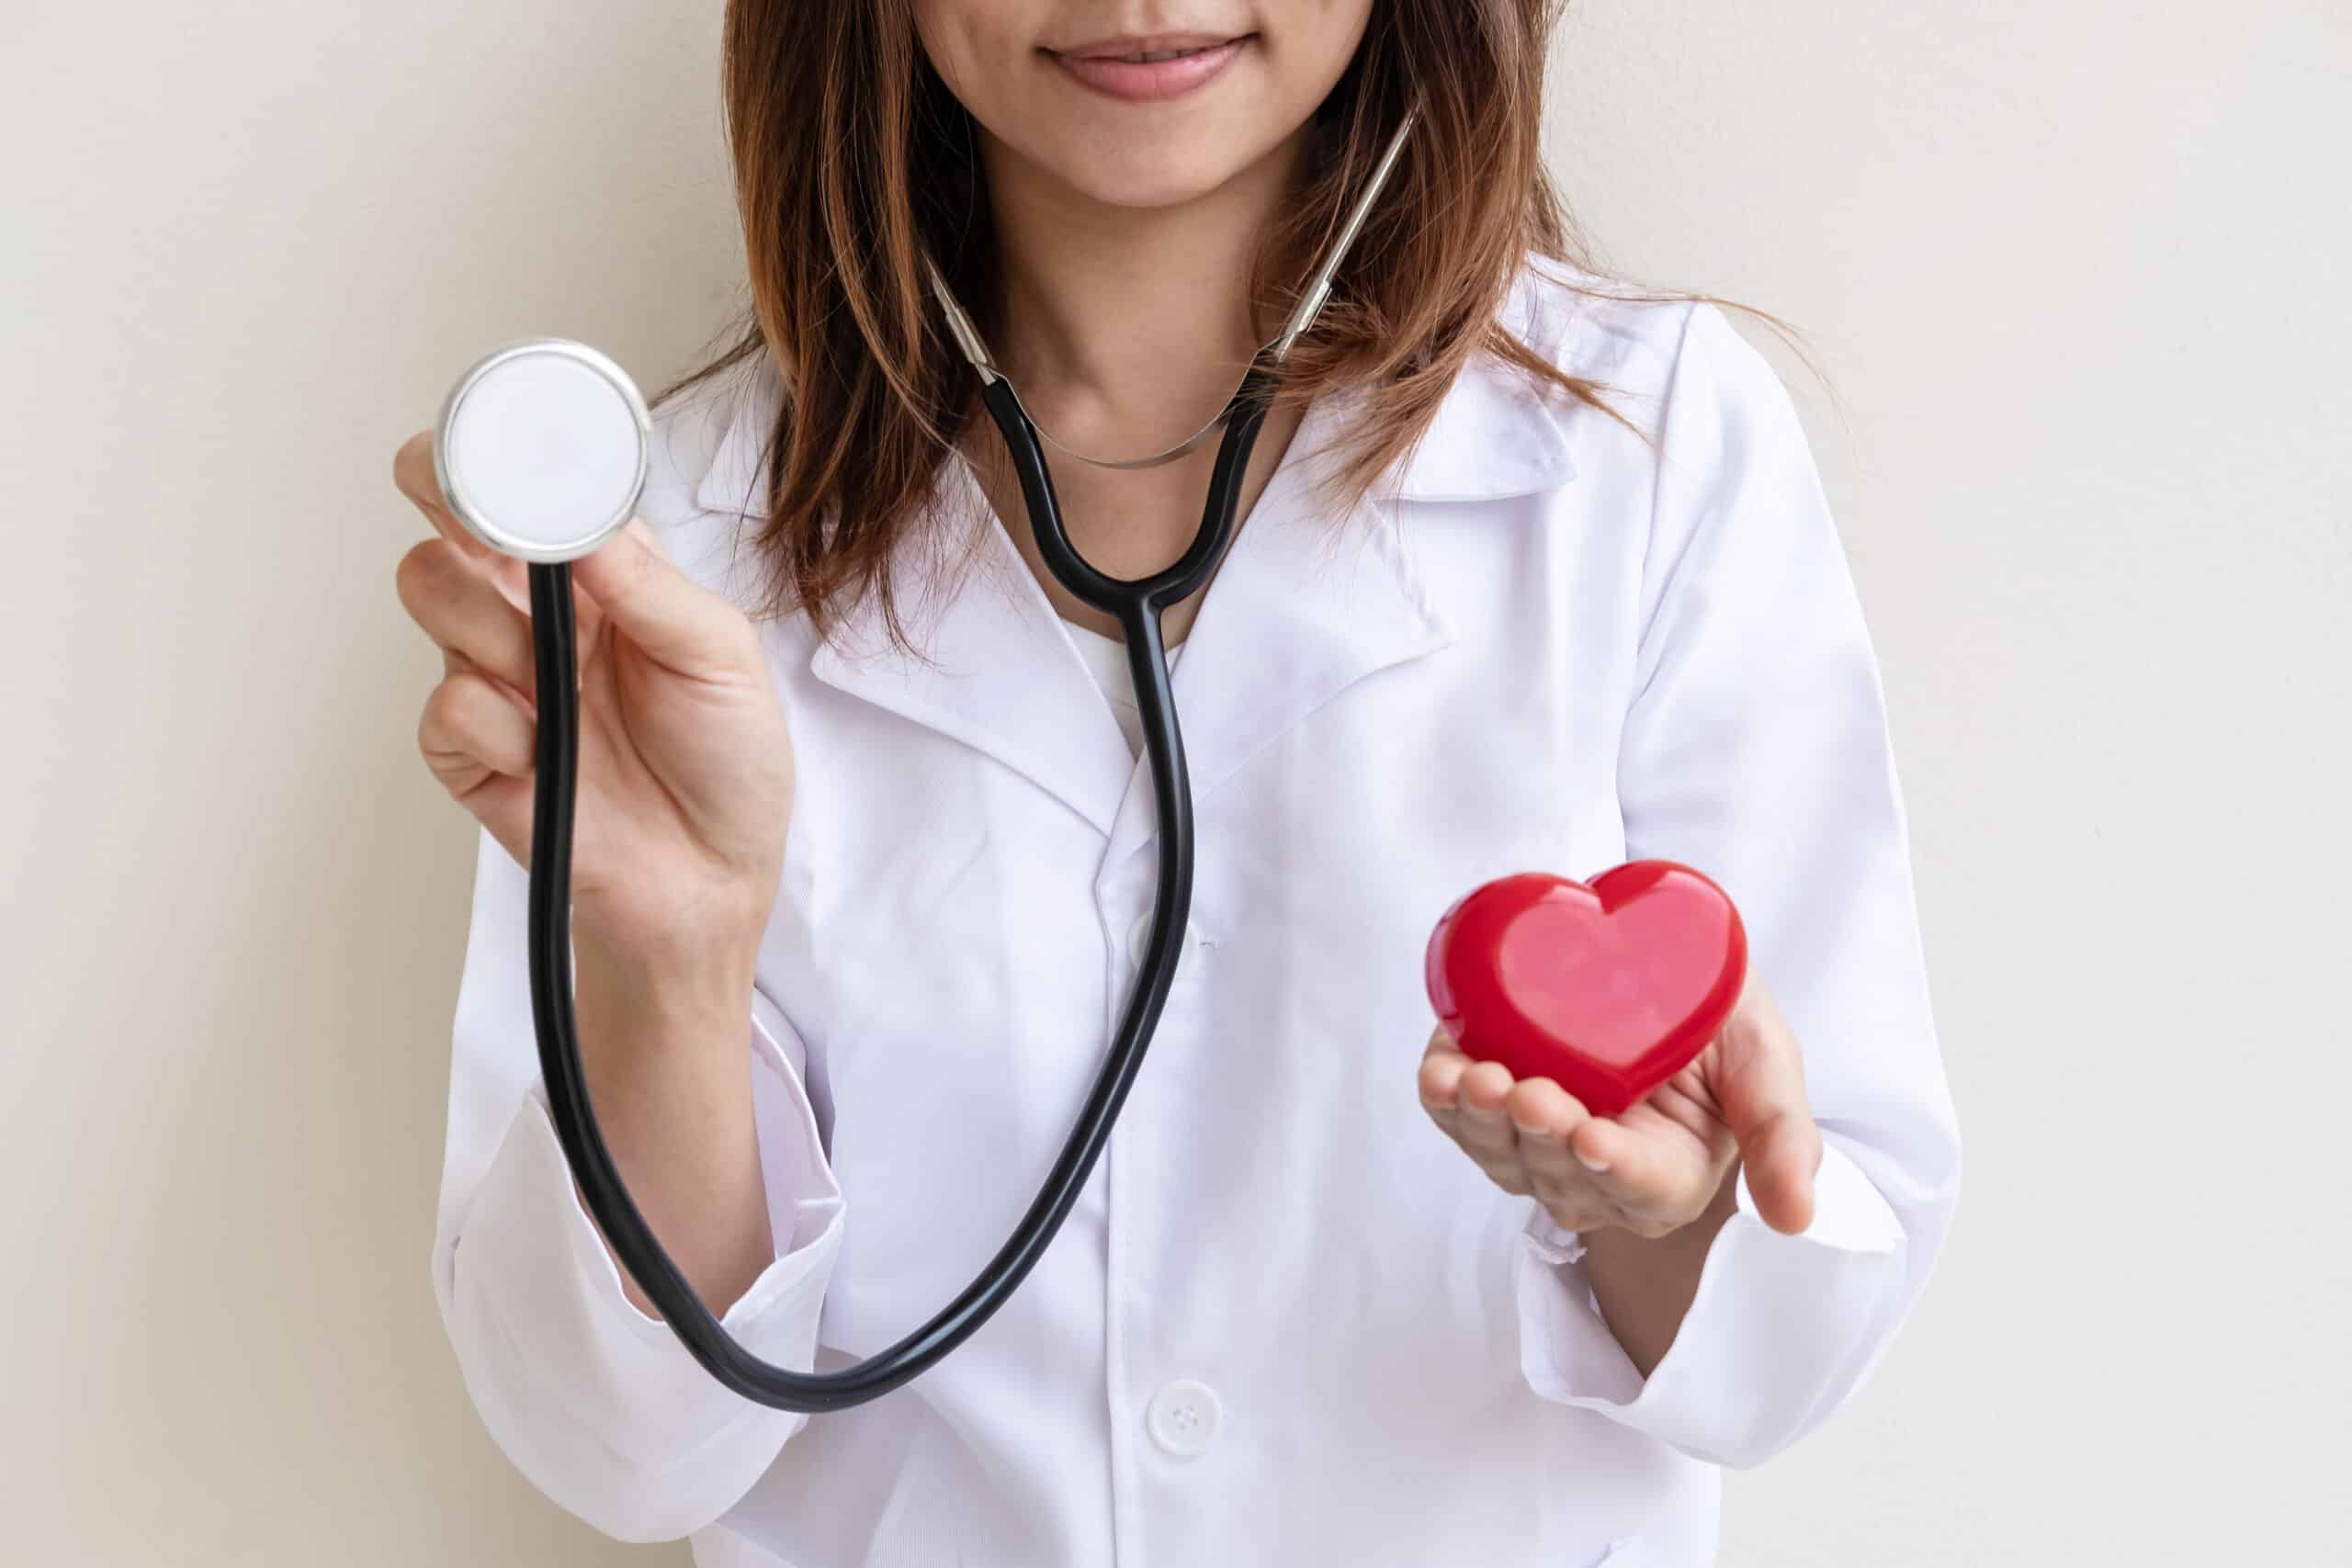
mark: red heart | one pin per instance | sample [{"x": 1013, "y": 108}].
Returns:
[{"x": 1609, "y": 990}]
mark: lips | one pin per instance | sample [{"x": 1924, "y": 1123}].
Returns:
[{"x": 1149, "y": 70}]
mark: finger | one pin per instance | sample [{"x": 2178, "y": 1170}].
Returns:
[
  {"x": 1543, "y": 1114},
  {"x": 453, "y": 662},
  {"x": 480, "y": 745},
  {"x": 413, "y": 472},
  {"x": 1645, "y": 1175},
  {"x": 1440, "y": 1073},
  {"x": 1485, "y": 1128},
  {"x": 1482, "y": 1131},
  {"x": 459, "y": 607},
  {"x": 1540, "y": 1106},
  {"x": 1440, "y": 1081},
  {"x": 675, "y": 621},
  {"x": 471, "y": 728},
  {"x": 1762, "y": 1091}
]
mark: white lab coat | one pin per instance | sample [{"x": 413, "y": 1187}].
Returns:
[{"x": 1288, "y": 1323}]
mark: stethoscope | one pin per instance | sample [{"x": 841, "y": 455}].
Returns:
[{"x": 542, "y": 451}]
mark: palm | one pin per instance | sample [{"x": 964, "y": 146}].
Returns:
[
  {"x": 1657, "y": 1164},
  {"x": 1682, "y": 1127}
]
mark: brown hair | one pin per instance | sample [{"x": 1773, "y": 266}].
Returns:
[{"x": 853, "y": 160}]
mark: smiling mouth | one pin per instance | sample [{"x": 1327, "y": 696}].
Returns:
[{"x": 1149, "y": 70}]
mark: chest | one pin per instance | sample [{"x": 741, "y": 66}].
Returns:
[{"x": 973, "y": 850}]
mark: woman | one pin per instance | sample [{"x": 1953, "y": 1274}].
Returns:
[{"x": 1534, "y": 574}]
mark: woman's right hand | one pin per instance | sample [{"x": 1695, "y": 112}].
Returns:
[{"x": 685, "y": 769}]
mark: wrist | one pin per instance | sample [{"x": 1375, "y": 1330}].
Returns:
[
  {"x": 675, "y": 988},
  {"x": 1693, "y": 1232}
]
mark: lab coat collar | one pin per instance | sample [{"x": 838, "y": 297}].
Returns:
[
  {"x": 1494, "y": 436},
  {"x": 1306, "y": 603}
]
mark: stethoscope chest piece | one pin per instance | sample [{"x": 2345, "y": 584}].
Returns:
[{"x": 542, "y": 449}]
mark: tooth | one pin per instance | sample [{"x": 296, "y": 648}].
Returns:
[{"x": 1153, "y": 56}]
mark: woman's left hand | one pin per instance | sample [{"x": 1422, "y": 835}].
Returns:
[{"x": 1656, "y": 1167}]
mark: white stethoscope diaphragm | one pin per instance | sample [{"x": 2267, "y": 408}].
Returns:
[{"x": 542, "y": 449}]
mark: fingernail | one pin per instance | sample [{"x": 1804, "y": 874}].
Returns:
[{"x": 1598, "y": 1167}]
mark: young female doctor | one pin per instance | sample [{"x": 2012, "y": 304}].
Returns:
[{"x": 1534, "y": 574}]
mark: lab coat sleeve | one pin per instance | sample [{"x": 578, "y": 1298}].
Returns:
[
  {"x": 596, "y": 1402},
  {"x": 1754, "y": 747}
]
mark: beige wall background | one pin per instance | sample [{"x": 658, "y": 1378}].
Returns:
[{"x": 2076, "y": 269}]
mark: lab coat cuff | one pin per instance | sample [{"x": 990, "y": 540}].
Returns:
[
  {"x": 628, "y": 1403},
  {"x": 804, "y": 1200},
  {"x": 1777, "y": 1324},
  {"x": 1547, "y": 1239}
]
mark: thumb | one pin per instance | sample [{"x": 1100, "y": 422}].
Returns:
[
  {"x": 675, "y": 621},
  {"x": 1763, "y": 1100}
]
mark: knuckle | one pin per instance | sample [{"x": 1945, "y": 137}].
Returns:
[
  {"x": 458, "y": 704},
  {"x": 1506, "y": 1145},
  {"x": 1548, "y": 1160},
  {"x": 443, "y": 708},
  {"x": 1507, "y": 1175},
  {"x": 421, "y": 575},
  {"x": 413, "y": 464},
  {"x": 432, "y": 730}
]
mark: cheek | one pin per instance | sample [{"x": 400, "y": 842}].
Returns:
[
  {"x": 1319, "y": 37},
  {"x": 973, "y": 43}
]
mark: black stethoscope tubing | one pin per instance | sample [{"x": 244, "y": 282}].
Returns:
[{"x": 1138, "y": 603}]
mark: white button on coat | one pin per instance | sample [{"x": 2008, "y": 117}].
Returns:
[
  {"x": 1183, "y": 1417},
  {"x": 1188, "y": 941},
  {"x": 1543, "y": 645}
]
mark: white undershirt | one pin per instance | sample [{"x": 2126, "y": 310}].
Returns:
[{"x": 1106, "y": 659}]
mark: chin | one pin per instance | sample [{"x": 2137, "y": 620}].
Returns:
[{"x": 1152, "y": 172}]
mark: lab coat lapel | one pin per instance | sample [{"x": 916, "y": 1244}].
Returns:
[
  {"x": 1305, "y": 605},
  {"x": 996, "y": 672},
  {"x": 1308, "y": 603},
  {"x": 995, "y": 669}
]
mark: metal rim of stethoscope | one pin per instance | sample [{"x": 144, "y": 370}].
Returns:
[
  {"x": 1135, "y": 603},
  {"x": 460, "y": 493}
]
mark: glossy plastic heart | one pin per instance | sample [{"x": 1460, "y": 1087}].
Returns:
[{"x": 1609, "y": 989}]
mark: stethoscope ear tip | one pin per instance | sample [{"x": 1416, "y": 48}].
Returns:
[{"x": 542, "y": 449}]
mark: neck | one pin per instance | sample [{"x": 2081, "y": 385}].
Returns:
[{"x": 1127, "y": 328}]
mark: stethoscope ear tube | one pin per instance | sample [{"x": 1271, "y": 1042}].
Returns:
[{"x": 1136, "y": 603}]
